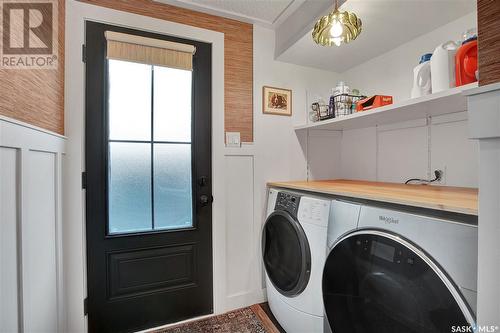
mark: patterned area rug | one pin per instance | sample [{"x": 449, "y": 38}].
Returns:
[{"x": 246, "y": 320}]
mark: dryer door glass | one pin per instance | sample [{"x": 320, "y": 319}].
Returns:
[
  {"x": 373, "y": 283},
  {"x": 286, "y": 253}
]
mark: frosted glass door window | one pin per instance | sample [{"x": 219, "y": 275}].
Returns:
[
  {"x": 172, "y": 186},
  {"x": 129, "y": 187},
  {"x": 172, "y": 100},
  {"x": 150, "y": 155},
  {"x": 129, "y": 101}
]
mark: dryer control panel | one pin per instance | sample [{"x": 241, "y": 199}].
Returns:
[{"x": 288, "y": 202}]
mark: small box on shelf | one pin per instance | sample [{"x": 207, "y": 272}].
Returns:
[{"x": 373, "y": 102}]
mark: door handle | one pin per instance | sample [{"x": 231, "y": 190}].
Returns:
[{"x": 205, "y": 200}]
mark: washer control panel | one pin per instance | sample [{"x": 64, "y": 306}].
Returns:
[
  {"x": 288, "y": 202},
  {"x": 314, "y": 211}
]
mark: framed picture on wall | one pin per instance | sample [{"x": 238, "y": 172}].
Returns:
[{"x": 276, "y": 101}]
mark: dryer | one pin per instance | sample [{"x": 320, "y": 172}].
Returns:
[
  {"x": 293, "y": 249},
  {"x": 392, "y": 271}
]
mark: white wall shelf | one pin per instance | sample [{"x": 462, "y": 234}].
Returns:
[{"x": 444, "y": 102}]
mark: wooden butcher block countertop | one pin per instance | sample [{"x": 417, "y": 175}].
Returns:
[{"x": 452, "y": 199}]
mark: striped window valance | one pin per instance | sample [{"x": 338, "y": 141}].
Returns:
[{"x": 150, "y": 51}]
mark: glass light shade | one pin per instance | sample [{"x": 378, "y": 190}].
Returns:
[{"x": 336, "y": 28}]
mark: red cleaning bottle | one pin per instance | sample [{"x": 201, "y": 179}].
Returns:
[{"x": 466, "y": 62}]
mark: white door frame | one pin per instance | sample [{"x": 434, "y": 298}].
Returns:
[{"x": 74, "y": 197}]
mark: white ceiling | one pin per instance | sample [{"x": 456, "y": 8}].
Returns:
[
  {"x": 264, "y": 12},
  {"x": 386, "y": 25}
]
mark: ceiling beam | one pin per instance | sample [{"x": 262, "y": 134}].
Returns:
[{"x": 300, "y": 23}]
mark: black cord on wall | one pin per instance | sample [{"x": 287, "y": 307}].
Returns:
[{"x": 438, "y": 175}]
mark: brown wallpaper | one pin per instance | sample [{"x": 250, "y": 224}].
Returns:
[
  {"x": 36, "y": 96},
  {"x": 238, "y": 55},
  {"x": 488, "y": 22}
]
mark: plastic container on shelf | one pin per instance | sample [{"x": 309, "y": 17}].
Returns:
[
  {"x": 466, "y": 60},
  {"x": 341, "y": 88},
  {"x": 443, "y": 66},
  {"x": 422, "y": 84}
]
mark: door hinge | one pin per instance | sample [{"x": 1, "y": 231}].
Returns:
[
  {"x": 84, "y": 180},
  {"x": 85, "y": 306},
  {"x": 84, "y": 53}
]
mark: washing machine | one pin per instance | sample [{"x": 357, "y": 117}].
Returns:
[
  {"x": 392, "y": 271},
  {"x": 293, "y": 250}
]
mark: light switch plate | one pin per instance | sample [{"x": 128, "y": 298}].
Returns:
[{"x": 233, "y": 139}]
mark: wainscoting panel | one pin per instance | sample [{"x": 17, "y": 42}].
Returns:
[
  {"x": 403, "y": 152},
  {"x": 240, "y": 240},
  {"x": 323, "y": 154},
  {"x": 397, "y": 152},
  {"x": 39, "y": 244},
  {"x": 453, "y": 152},
  {"x": 30, "y": 249},
  {"x": 8, "y": 240}
]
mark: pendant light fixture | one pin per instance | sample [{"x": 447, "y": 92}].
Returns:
[{"x": 336, "y": 28}]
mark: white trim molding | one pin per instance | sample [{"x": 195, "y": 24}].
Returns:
[{"x": 484, "y": 125}]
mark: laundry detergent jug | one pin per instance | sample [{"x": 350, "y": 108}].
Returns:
[
  {"x": 443, "y": 66},
  {"x": 466, "y": 62},
  {"x": 422, "y": 84}
]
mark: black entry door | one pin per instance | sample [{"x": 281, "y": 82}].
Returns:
[
  {"x": 377, "y": 282},
  {"x": 148, "y": 193}
]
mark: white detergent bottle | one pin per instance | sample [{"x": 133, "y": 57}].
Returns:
[
  {"x": 443, "y": 66},
  {"x": 422, "y": 77}
]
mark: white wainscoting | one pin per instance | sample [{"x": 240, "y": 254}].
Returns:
[
  {"x": 242, "y": 232},
  {"x": 31, "y": 287},
  {"x": 413, "y": 149}
]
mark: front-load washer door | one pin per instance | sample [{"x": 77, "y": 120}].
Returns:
[
  {"x": 374, "y": 281},
  {"x": 286, "y": 253}
]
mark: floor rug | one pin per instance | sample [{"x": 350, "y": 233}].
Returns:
[{"x": 246, "y": 320}]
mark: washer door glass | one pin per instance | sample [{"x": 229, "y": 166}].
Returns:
[
  {"x": 286, "y": 253},
  {"x": 377, "y": 283}
]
